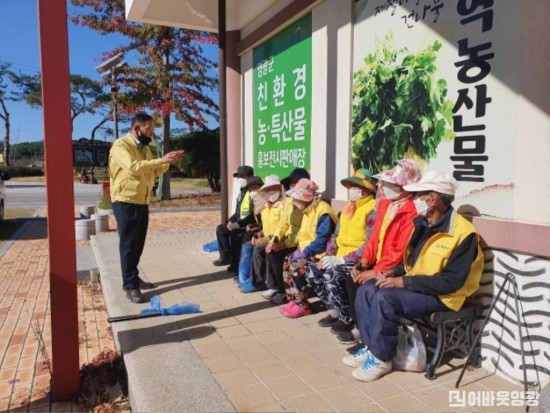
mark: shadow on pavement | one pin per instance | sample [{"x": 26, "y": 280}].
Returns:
[
  {"x": 180, "y": 330},
  {"x": 178, "y": 283}
]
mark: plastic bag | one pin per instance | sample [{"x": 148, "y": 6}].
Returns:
[
  {"x": 411, "y": 351},
  {"x": 245, "y": 268},
  {"x": 211, "y": 246},
  {"x": 156, "y": 307}
]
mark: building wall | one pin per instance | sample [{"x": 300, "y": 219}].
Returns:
[{"x": 528, "y": 260}]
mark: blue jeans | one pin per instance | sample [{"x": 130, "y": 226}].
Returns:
[
  {"x": 379, "y": 310},
  {"x": 132, "y": 221}
]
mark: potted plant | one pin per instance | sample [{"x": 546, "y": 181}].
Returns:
[{"x": 104, "y": 208}]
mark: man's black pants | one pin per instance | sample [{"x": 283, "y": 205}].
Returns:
[
  {"x": 230, "y": 243},
  {"x": 132, "y": 221}
]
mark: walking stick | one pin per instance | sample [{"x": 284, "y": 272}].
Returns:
[
  {"x": 508, "y": 278},
  {"x": 132, "y": 317}
]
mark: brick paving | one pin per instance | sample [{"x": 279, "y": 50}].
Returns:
[{"x": 25, "y": 329}]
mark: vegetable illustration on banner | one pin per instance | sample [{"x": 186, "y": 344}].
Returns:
[
  {"x": 425, "y": 88},
  {"x": 282, "y": 100},
  {"x": 399, "y": 109}
]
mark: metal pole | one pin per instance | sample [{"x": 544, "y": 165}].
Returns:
[
  {"x": 115, "y": 106},
  {"x": 115, "y": 117},
  {"x": 223, "y": 110},
  {"x": 56, "y": 107}
]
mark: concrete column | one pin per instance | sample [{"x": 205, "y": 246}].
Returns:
[{"x": 233, "y": 88}]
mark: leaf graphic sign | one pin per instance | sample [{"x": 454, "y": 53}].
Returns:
[
  {"x": 399, "y": 108},
  {"x": 282, "y": 100},
  {"x": 437, "y": 81}
]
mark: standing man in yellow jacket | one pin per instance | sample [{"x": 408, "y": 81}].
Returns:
[
  {"x": 132, "y": 171},
  {"x": 442, "y": 266}
]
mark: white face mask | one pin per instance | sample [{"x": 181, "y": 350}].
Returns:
[
  {"x": 241, "y": 182},
  {"x": 421, "y": 206},
  {"x": 273, "y": 196},
  {"x": 355, "y": 194},
  {"x": 391, "y": 191}
]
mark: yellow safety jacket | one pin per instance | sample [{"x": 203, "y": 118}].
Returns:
[
  {"x": 132, "y": 171},
  {"x": 352, "y": 230},
  {"x": 245, "y": 206},
  {"x": 308, "y": 229},
  {"x": 288, "y": 228},
  {"x": 437, "y": 251},
  {"x": 272, "y": 217}
]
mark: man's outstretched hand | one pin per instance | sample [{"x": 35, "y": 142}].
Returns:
[{"x": 173, "y": 156}]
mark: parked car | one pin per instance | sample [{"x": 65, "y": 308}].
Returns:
[{"x": 4, "y": 176}]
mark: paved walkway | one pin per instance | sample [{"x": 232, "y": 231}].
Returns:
[
  {"x": 259, "y": 360},
  {"x": 25, "y": 337}
]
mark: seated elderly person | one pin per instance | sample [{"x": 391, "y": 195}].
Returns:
[
  {"x": 441, "y": 267},
  {"x": 328, "y": 277},
  {"x": 317, "y": 226},
  {"x": 392, "y": 229},
  {"x": 270, "y": 202}
]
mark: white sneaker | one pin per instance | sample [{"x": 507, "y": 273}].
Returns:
[
  {"x": 372, "y": 369},
  {"x": 269, "y": 293},
  {"x": 357, "y": 359}
]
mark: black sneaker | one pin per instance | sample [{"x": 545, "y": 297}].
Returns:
[
  {"x": 134, "y": 295},
  {"x": 232, "y": 268},
  {"x": 327, "y": 321},
  {"x": 348, "y": 337},
  {"x": 340, "y": 326},
  {"x": 220, "y": 262}
]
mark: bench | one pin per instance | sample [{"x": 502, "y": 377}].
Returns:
[{"x": 449, "y": 333}]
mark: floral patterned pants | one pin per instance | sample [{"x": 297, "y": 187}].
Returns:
[
  {"x": 294, "y": 275},
  {"x": 330, "y": 287}
]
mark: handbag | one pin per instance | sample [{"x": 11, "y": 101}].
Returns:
[{"x": 411, "y": 351}]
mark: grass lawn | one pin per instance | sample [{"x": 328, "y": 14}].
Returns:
[
  {"x": 188, "y": 183},
  {"x": 13, "y": 219},
  {"x": 175, "y": 183}
]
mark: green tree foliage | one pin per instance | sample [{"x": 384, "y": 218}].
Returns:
[
  {"x": 399, "y": 109},
  {"x": 86, "y": 94},
  {"x": 202, "y": 156},
  {"x": 29, "y": 150}
]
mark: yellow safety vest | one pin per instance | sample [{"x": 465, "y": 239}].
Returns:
[
  {"x": 308, "y": 228},
  {"x": 272, "y": 217},
  {"x": 245, "y": 206},
  {"x": 352, "y": 230},
  {"x": 437, "y": 251}
]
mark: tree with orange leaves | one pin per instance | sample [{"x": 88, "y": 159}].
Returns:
[{"x": 173, "y": 75}]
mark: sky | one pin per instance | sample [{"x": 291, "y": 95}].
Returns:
[{"x": 19, "y": 46}]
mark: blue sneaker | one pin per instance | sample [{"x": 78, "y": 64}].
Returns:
[
  {"x": 357, "y": 359},
  {"x": 372, "y": 369}
]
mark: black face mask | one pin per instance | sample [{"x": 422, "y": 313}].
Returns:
[{"x": 144, "y": 139}]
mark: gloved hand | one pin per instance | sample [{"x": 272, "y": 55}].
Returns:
[
  {"x": 296, "y": 255},
  {"x": 330, "y": 261}
]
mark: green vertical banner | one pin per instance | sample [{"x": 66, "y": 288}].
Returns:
[{"x": 282, "y": 101}]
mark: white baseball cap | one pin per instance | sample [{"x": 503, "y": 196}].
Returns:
[{"x": 435, "y": 181}]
